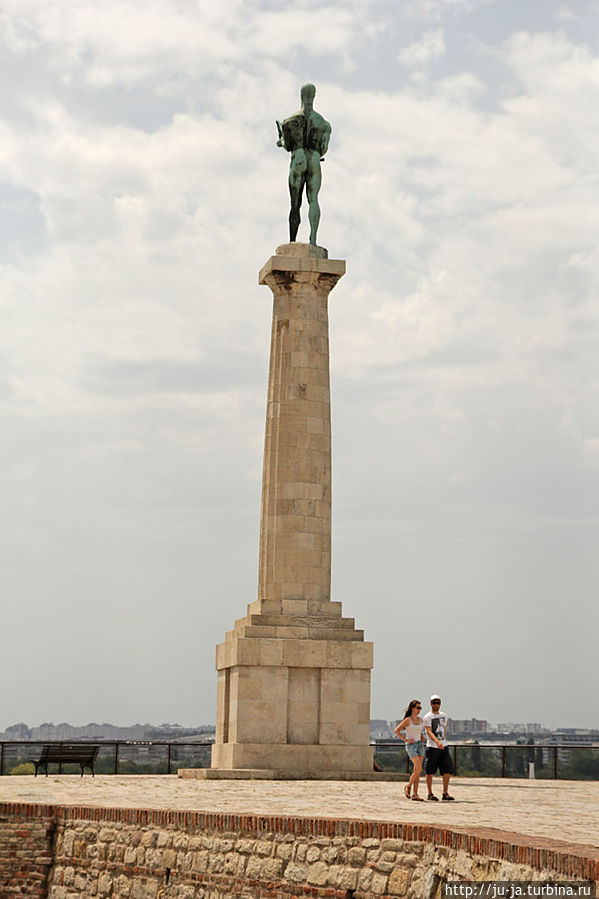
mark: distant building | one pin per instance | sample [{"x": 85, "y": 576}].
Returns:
[
  {"x": 378, "y": 724},
  {"x": 44, "y": 732},
  {"x": 458, "y": 727},
  {"x": 511, "y": 728},
  {"x": 17, "y": 732},
  {"x": 381, "y": 729},
  {"x": 575, "y": 737}
]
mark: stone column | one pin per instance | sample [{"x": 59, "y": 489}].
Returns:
[
  {"x": 295, "y": 531},
  {"x": 293, "y": 693}
]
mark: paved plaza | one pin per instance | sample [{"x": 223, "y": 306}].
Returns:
[{"x": 557, "y": 810}]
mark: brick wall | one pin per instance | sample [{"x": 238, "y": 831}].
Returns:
[
  {"x": 153, "y": 854},
  {"x": 26, "y": 836}
]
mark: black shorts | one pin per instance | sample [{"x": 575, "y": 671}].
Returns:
[{"x": 438, "y": 758}]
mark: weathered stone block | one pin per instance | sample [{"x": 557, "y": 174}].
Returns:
[
  {"x": 272, "y": 869},
  {"x": 296, "y": 873},
  {"x": 318, "y": 874},
  {"x": 254, "y": 867},
  {"x": 356, "y": 856},
  {"x": 264, "y": 847},
  {"x": 399, "y": 881},
  {"x": 284, "y": 851},
  {"x": 378, "y": 884},
  {"x": 407, "y": 860},
  {"x": 199, "y": 862},
  {"x": 104, "y": 884}
]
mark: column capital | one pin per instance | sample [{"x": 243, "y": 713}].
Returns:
[{"x": 295, "y": 259}]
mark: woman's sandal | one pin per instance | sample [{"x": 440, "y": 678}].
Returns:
[
  {"x": 406, "y": 790},
  {"x": 417, "y": 799}
]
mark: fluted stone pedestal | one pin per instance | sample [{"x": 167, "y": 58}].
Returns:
[{"x": 294, "y": 674}]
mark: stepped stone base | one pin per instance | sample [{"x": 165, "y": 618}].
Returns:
[
  {"x": 293, "y": 697},
  {"x": 297, "y": 758},
  {"x": 274, "y": 774}
]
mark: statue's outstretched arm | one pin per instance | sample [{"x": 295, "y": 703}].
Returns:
[{"x": 281, "y": 140}]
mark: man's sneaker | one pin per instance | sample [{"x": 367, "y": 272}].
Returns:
[
  {"x": 432, "y": 798},
  {"x": 447, "y": 797}
]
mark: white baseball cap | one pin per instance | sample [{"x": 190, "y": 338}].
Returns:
[{"x": 435, "y": 696}]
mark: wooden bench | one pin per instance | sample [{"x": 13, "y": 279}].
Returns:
[{"x": 83, "y": 754}]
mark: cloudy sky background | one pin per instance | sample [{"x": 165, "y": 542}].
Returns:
[{"x": 140, "y": 193}]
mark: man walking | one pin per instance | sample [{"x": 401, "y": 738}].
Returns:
[{"x": 438, "y": 755}]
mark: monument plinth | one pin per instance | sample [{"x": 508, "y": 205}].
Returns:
[{"x": 293, "y": 694}]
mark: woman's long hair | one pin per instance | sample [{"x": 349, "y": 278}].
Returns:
[{"x": 408, "y": 713}]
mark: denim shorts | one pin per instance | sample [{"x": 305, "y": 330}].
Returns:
[{"x": 416, "y": 748}]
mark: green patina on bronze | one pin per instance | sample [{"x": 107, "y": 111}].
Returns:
[{"x": 305, "y": 134}]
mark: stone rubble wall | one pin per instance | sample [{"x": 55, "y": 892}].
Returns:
[{"x": 153, "y": 854}]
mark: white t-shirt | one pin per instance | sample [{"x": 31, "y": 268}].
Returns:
[{"x": 437, "y": 721}]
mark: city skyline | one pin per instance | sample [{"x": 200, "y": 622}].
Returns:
[{"x": 37, "y": 731}]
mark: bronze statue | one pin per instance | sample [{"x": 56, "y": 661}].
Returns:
[{"x": 305, "y": 135}]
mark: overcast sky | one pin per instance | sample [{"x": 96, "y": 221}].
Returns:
[{"x": 141, "y": 190}]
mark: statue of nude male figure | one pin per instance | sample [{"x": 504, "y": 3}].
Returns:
[{"x": 305, "y": 135}]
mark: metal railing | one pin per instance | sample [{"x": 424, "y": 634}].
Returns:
[
  {"x": 114, "y": 756},
  {"x": 553, "y": 761},
  {"x": 550, "y": 761}
]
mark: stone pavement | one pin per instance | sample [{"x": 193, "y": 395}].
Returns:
[{"x": 558, "y": 810}]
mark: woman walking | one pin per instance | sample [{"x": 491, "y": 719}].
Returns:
[{"x": 412, "y": 726}]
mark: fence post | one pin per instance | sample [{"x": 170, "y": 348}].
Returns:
[
  {"x": 116, "y": 758},
  {"x": 168, "y": 763},
  {"x": 555, "y": 763},
  {"x": 1, "y": 759},
  {"x": 455, "y": 760},
  {"x": 503, "y": 748}
]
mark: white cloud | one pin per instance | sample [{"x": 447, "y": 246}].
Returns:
[
  {"x": 565, "y": 14},
  {"x": 285, "y": 31},
  {"x": 195, "y": 39},
  {"x": 430, "y": 46},
  {"x": 97, "y": 37}
]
